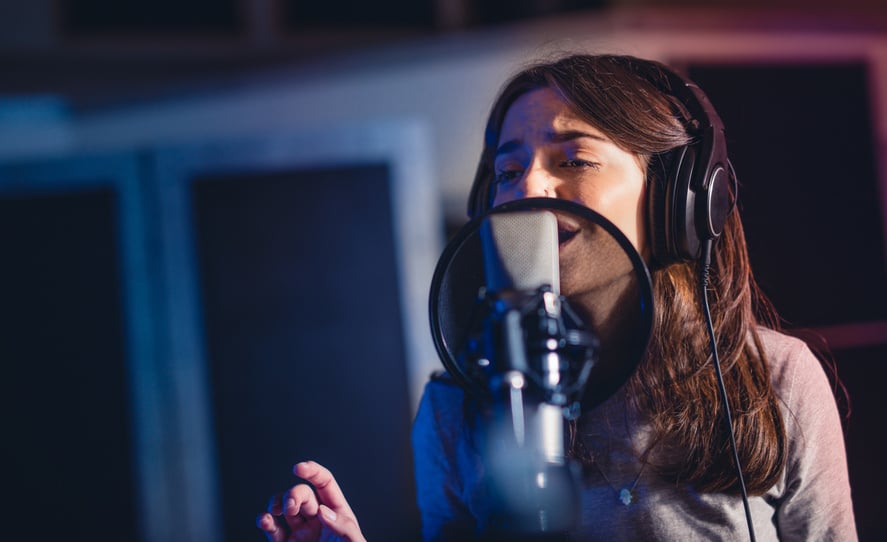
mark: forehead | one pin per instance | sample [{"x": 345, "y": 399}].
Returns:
[{"x": 539, "y": 112}]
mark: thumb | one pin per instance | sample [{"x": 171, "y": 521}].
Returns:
[{"x": 341, "y": 524}]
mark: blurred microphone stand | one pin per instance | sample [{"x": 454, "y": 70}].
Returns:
[{"x": 536, "y": 359}]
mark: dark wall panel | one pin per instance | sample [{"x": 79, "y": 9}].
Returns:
[
  {"x": 305, "y": 343},
  {"x": 95, "y": 17},
  {"x": 801, "y": 140},
  {"x": 356, "y": 13},
  {"x": 66, "y": 432},
  {"x": 863, "y": 371}
]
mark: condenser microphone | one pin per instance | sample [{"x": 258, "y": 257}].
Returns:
[
  {"x": 520, "y": 253},
  {"x": 533, "y": 486}
]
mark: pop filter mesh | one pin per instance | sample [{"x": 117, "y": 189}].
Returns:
[{"x": 457, "y": 315}]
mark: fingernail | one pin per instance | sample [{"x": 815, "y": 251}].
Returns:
[
  {"x": 328, "y": 513},
  {"x": 290, "y": 504}
]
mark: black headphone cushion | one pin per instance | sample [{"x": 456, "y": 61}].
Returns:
[{"x": 670, "y": 207}]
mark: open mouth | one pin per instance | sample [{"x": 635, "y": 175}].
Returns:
[{"x": 565, "y": 232}]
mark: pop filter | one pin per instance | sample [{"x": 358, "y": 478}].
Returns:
[{"x": 602, "y": 277}]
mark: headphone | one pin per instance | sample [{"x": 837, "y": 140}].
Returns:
[{"x": 690, "y": 204}]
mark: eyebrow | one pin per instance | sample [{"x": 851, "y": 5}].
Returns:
[
  {"x": 570, "y": 135},
  {"x": 551, "y": 137}
]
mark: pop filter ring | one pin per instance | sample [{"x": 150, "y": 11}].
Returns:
[{"x": 614, "y": 377}]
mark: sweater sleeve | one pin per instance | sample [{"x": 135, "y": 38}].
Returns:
[
  {"x": 439, "y": 451},
  {"x": 816, "y": 502}
]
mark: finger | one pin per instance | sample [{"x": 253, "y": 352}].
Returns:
[
  {"x": 299, "y": 505},
  {"x": 323, "y": 481},
  {"x": 344, "y": 525},
  {"x": 273, "y": 531}
]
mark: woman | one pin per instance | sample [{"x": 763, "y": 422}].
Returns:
[{"x": 607, "y": 132}]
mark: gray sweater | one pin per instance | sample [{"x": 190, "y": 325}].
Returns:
[{"x": 811, "y": 501}]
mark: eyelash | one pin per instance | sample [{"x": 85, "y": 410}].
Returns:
[
  {"x": 580, "y": 163},
  {"x": 510, "y": 175}
]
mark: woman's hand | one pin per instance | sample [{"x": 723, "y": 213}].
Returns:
[{"x": 300, "y": 515}]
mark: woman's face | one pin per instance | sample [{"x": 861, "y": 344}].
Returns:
[{"x": 546, "y": 150}]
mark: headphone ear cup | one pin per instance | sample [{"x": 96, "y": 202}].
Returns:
[
  {"x": 481, "y": 196},
  {"x": 658, "y": 173},
  {"x": 684, "y": 242},
  {"x": 717, "y": 204},
  {"x": 672, "y": 205}
]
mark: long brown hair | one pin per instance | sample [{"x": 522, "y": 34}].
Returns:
[{"x": 675, "y": 386}]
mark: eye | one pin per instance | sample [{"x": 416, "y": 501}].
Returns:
[
  {"x": 507, "y": 176},
  {"x": 576, "y": 163}
]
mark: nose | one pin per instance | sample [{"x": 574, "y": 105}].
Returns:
[
  {"x": 538, "y": 183},
  {"x": 534, "y": 182}
]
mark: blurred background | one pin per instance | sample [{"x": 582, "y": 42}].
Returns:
[{"x": 219, "y": 220}]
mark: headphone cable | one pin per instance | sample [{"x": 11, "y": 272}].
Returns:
[{"x": 706, "y": 265}]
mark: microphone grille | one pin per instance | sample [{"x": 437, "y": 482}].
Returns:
[{"x": 521, "y": 251}]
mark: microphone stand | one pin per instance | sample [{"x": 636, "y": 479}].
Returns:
[{"x": 541, "y": 358}]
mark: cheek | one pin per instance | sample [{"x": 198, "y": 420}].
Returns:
[
  {"x": 623, "y": 204},
  {"x": 632, "y": 213},
  {"x": 501, "y": 195}
]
